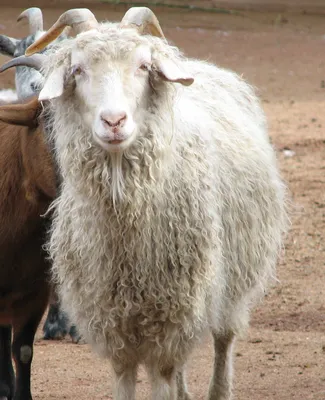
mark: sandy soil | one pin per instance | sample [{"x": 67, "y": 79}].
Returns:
[{"x": 283, "y": 355}]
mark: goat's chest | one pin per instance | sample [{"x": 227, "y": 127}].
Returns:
[{"x": 140, "y": 269}]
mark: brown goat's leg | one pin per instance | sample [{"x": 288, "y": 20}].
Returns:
[
  {"x": 7, "y": 377},
  {"x": 221, "y": 382},
  {"x": 22, "y": 345}
]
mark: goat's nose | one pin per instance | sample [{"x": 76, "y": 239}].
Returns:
[{"x": 114, "y": 120}]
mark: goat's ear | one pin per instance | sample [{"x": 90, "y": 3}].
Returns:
[
  {"x": 24, "y": 114},
  {"x": 172, "y": 72},
  {"x": 8, "y": 45},
  {"x": 54, "y": 85}
]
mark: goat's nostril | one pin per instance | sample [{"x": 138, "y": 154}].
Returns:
[
  {"x": 116, "y": 120},
  {"x": 33, "y": 86}
]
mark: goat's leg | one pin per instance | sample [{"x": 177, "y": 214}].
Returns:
[
  {"x": 163, "y": 381},
  {"x": 22, "y": 345},
  {"x": 7, "y": 376},
  {"x": 22, "y": 348},
  {"x": 125, "y": 380},
  {"x": 182, "y": 393},
  {"x": 221, "y": 382}
]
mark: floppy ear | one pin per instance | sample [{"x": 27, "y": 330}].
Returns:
[
  {"x": 172, "y": 72},
  {"x": 24, "y": 114},
  {"x": 8, "y": 45},
  {"x": 54, "y": 85}
]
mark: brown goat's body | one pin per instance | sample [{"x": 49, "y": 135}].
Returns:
[
  {"x": 23, "y": 198},
  {"x": 27, "y": 186}
]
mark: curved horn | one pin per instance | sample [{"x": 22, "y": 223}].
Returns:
[
  {"x": 144, "y": 20},
  {"x": 36, "y": 61},
  {"x": 35, "y": 19},
  {"x": 80, "y": 19}
]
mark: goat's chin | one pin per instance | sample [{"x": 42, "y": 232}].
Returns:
[{"x": 114, "y": 146}]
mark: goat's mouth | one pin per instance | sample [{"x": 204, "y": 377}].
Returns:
[
  {"x": 115, "y": 141},
  {"x": 113, "y": 144}
]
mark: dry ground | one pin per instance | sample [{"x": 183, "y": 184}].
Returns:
[{"x": 283, "y": 355}]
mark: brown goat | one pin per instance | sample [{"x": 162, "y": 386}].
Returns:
[{"x": 27, "y": 186}]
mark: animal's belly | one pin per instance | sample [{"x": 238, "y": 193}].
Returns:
[{"x": 11, "y": 303}]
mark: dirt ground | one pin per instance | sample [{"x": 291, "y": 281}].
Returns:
[{"x": 283, "y": 355}]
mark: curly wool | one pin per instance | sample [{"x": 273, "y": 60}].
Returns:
[{"x": 193, "y": 241}]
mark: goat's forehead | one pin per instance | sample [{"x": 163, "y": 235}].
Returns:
[
  {"x": 100, "y": 45},
  {"x": 107, "y": 48}
]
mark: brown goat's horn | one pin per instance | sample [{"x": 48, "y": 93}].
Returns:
[
  {"x": 144, "y": 20},
  {"x": 80, "y": 19},
  {"x": 36, "y": 61},
  {"x": 35, "y": 19}
]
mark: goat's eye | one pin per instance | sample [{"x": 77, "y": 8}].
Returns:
[
  {"x": 76, "y": 70},
  {"x": 144, "y": 67}
]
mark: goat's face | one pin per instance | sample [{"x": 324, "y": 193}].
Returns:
[
  {"x": 113, "y": 93},
  {"x": 27, "y": 80},
  {"x": 111, "y": 76}
]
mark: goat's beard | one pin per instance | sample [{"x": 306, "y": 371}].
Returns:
[{"x": 117, "y": 179}]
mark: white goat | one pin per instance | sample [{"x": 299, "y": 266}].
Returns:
[{"x": 172, "y": 210}]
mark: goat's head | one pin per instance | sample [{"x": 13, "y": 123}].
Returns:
[
  {"x": 28, "y": 80},
  {"x": 110, "y": 71}
]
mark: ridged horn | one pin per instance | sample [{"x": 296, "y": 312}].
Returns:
[
  {"x": 79, "y": 19},
  {"x": 34, "y": 17},
  {"x": 144, "y": 20},
  {"x": 36, "y": 61}
]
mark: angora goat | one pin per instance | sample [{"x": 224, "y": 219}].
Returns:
[{"x": 172, "y": 210}]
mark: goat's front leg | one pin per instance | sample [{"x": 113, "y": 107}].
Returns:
[
  {"x": 7, "y": 376},
  {"x": 24, "y": 329},
  {"x": 125, "y": 379},
  {"x": 182, "y": 393},
  {"x": 221, "y": 382},
  {"x": 163, "y": 381}
]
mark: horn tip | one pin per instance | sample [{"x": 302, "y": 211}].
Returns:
[
  {"x": 21, "y": 16},
  {"x": 30, "y": 51}
]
